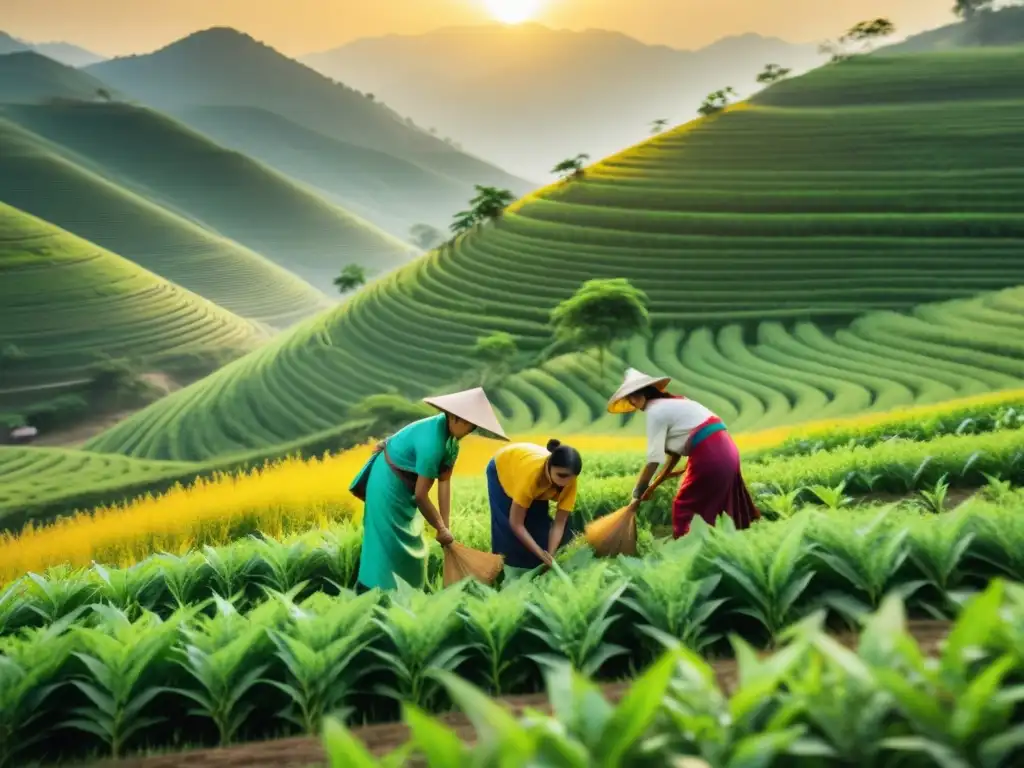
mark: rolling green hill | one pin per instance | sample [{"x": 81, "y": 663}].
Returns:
[
  {"x": 391, "y": 192},
  {"x": 225, "y": 191},
  {"x": 37, "y": 176},
  {"x": 987, "y": 28},
  {"x": 823, "y": 201},
  {"x": 64, "y": 302},
  {"x": 223, "y": 67},
  {"x": 29, "y": 78}
]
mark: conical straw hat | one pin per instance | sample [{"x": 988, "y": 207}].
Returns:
[
  {"x": 634, "y": 382},
  {"x": 472, "y": 406}
]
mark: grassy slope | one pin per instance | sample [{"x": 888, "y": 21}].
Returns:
[
  {"x": 226, "y": 68},
  {"x": 37, "y": 177},
  {"x": 1004, "y": 27},
  {"x": 780, "y": 211},
  {"x": 63, "y": 300},
  {"x": 226, "y": 191},
  {"x": 29, "y": 77},
  {"x": 391, "y": 192}
]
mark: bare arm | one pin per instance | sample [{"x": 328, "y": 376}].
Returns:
[
  {"x": 666, "y": 472},
  {"x": 429, "y": 511},
  {"x": 444, "y": 499},
  {"x": 517, "y": 522},
  {"x": 557, "y": 531}
]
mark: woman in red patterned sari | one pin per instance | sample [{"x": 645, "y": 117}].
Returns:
[{"x": 676, "y": 427}]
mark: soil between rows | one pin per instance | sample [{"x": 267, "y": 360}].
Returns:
[{"x": 307, "y": 752}]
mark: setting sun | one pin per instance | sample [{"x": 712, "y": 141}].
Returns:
[{"x": 513, "y": 11}]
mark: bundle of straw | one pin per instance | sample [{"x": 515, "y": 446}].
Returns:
[
  {"x": 614, "y": 534},
  {"x": 461, "y": 562}
]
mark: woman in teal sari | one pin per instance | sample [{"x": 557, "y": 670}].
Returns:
[{"x": 396, "y": 482}]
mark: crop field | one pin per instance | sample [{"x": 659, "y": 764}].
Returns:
[
  {"x": 266, "y": 640},
  {"x": 38, "y": 179},
  {"x": 967, "y": 445},
  {"x": 65, "y": 301},
  {"x": 817, "y": 230},
  {"x": 228, "y": 192}
]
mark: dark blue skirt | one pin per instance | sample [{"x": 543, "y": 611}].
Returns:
[{"x": 538, "y": 523}]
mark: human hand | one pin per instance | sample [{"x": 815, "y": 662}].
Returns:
[
  {"x": 445, "y": 538},
  {"x": 547, "y": 559},
  {"x": 634, "y": 505},
  {"x": 649, "y": 493}
]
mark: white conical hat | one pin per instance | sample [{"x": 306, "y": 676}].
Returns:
[
  {"x": 472, "y": 406},
  {"x": 634, "y": 382}
]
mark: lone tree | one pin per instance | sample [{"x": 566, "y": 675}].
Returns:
[
  {"x": 659, "y": 125},
  {"x": 600, "y": 313},
  {"x": 966, "y": 9},
  {"x": 497, "y": 352},
  {"x": 572, "y": 167},
  {"x": 490, "y": 202},
  {"x": 716, "y": 101},
  {"x": 352, "y": 276},
  {"x": 772, "y": 73},
  {"x": 426, "y": 236},
  {"x": 103, "y": 94},
  {"x": 858, "y": 39}
]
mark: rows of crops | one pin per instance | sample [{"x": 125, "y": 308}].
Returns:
[
  {"x": 811, "y": 702},
  {"x": 133, "y": 652},
  {"x": 295, "y": 496},
  {"x": 305, "y": 381},
  {"x": 37, "y": 178},
  {"x": 65, "y": 301},
  {"x": 37, "y": 484},
  {"x": 229, "y": 192},
  {"x": 796, "y": 218}
]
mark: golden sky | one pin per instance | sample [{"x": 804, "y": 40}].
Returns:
[{"x": 117, "y": 27}]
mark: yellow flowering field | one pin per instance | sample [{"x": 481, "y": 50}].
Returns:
[{"x": 296, "y": 495}]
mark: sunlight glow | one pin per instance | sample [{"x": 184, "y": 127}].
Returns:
[{"x": 513, "y": 11}]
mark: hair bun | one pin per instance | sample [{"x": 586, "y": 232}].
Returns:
[{"x": 553, "y": 444}]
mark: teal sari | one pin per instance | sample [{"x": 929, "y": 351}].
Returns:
[{"x": 393, "y": 542}]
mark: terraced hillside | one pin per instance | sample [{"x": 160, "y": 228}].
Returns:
[
  {"x": 27, "y": 77},
  {"x": 826, "y": 199},
  {"x": 64, "y": 301},
  {"x": 227, "y": 192},
  {"x": 37, "y": 177}
]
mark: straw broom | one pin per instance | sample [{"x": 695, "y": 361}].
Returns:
[
  {"x": 614, "y": 534},
  {"x": 462, "y": 562}
]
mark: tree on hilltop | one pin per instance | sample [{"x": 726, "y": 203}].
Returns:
[
  {"x": 659, "y": 125},
  {"x": 600, "y": 313},
  {"x": 571, "y": 167},
  {"x": 426, "y": 236},
  {"x": 103, "y": 94},
  {"x": 352, "y": 276},
  {"x": 464, "y": 221},
  {"x": 859, "y": 39},
  {"x": 716, "y": 101},
  {"x": 490, "y": 202},
  {"x": 966, "y": 9},
  {"x": 497, "y": 352},
  {"x": 772, "y": 73}
]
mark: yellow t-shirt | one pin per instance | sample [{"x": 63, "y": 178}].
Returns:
[{"x": 520, "y": 468}]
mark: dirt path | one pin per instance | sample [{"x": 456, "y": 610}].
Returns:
[{"x": 381, "y": 739}]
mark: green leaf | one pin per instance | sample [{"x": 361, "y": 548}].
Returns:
[
  {"x": 993, "y": 752},
  {"x": 636, "y": 712},
  {"x": 437, "y": 742},
  {"x": 760, "y": 751},
  {"x": 343, "y": 749},
  {"x": 943, "y": 756}
]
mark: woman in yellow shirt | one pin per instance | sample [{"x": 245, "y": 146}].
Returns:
[{"x": 522, "y": 480}]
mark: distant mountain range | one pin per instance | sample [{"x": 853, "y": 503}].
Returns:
[
  {"x": 65, "y": 53},
  {"x": 984, "y": 29},
  {"x": 529, "y": 96},
  {"x": 225, "y": 69}
]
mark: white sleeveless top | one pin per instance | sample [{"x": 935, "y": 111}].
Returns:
[{"x": 670, "y": 424}]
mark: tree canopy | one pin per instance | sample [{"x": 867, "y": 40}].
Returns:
[{"x": 600, "y": 313}]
